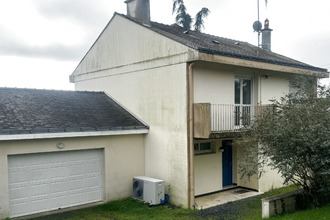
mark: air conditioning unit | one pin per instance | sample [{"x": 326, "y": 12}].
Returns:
[{"x": 148, "y": 189}]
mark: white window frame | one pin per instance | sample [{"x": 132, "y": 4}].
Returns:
[{"x": 241, "y": 105}]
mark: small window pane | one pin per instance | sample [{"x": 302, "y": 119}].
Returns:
[
  {"x": 205, "y": 146},
  {"x": 196, "y": 147},
  {"x": 237, "y": 91},
  {"x": 247, "y": 94}
]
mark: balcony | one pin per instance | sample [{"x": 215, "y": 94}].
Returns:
[{"x": 222, "y": 120}]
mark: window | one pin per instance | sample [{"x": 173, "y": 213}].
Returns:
[
  {"x": 243, "y": 101},
  {"x": 202, "y": 148}
]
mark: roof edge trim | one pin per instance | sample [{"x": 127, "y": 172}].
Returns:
[
  {"x": 71, "y": 134},
  {"x": 217, "y": 58},
  {"x": 203, "y": 50}
]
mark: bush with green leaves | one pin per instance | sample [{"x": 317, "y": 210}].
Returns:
[{"x": 293, "y": 137}]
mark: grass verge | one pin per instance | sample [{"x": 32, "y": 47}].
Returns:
[
  {"x": 126, "y": 209},
  {"x": 322, "y": 213},
  {"x": 131, "y": 209}
]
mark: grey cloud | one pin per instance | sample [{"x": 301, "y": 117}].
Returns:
[
  {"x": 57, "y": 52},
  {"x": 9, "y": 45},
  {"x": 314, "y": 51},
  {"x": 85, "y": 12}
]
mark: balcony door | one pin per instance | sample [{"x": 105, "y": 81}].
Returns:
[{"x": 243, "y": 101}]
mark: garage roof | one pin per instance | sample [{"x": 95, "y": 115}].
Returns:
[{"x": 32, "y": 111}]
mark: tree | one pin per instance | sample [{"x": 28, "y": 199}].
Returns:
[
  {"x": 184, "y": 19},
  {"x": 294, "y": 138},
  {"x": 199, "y": 19}
]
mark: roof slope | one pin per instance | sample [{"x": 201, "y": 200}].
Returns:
[
  {"x": 222, "y": 46},
  {"x": 25, "y": 111}
]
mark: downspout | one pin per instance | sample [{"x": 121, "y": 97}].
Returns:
[
  {"x": 191, "y": 180},
  {"x": 259, "y": 90}
]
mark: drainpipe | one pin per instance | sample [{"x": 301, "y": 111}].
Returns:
[{"x": 191, "y": 180}]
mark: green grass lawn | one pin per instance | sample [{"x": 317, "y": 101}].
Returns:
[
  {"x": 253, "y": 211},
  {"x": 322, "y": 213},
  {"x": 128, "y": 209},
  {"x": 125, "y": 209}
]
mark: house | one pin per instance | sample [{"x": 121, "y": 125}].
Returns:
[
  {"x": 191, "y": 88},
  {"x": 60, "y": 149},
  {"x": 187, "y": 91}
]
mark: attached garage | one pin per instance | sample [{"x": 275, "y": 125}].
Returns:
[
  {"x": 49, "y": 181},
  {"x": 61, "y": 149}
]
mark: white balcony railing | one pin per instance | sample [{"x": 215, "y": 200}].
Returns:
[{"x": 229, "y": 118}]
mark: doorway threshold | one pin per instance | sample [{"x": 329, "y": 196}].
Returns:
[
  {"x": 224, "y": 196},
  {"x": 225, "y": 188}
]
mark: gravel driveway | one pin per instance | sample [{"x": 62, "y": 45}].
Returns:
[{"x": 228, "y": 211}]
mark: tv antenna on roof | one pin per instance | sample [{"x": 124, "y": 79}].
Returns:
[{"x": 257, "y": 26}]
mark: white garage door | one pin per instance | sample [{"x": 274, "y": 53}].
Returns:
[{"x": 49, "y": 181}]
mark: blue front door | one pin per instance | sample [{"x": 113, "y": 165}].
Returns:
[{"x": 227, "y": 163}]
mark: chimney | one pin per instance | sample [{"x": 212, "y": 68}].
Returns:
[
  {"x": 266, "y": 36},
  {"x": 139, "y": 9}
]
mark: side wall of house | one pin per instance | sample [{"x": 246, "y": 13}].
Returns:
[
  {"x": 272, "y": 87},
  {"x": 123, "y": 159},
  {"x": 158, "y": 97},
  {"x": 146, "y": 73}
]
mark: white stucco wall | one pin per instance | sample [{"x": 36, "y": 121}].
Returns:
[
  {"x": 208, "y": 170},
  {"x": 146, "y": 73},
  {"x": 123, "y": 159},
  {"x": 213, "y": 83},
  {"x": 123, "y": 44},
  {"x": 158, "y": 97},
  {"x": 244, "y": 180},
  {"x": 273, "y": 87},
  {"x": 269, "y": 180}
]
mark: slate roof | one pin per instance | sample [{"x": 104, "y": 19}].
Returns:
[
  {"x": 222, "y": 46},
  {"x": 26, "y": 111}
]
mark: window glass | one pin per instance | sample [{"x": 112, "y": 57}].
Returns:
[
  {"x": 196, "y": 147},
  {"x": 202, "y": 148},
  {"x": 246, "y": 91},
  {"x": 205, "y": 146},
  {"x": 237, "y": 91}
]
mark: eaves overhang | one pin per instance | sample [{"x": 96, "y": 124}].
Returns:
[
  {"x": 20, "y": 135},
  {"x": 251, "y": 62}
]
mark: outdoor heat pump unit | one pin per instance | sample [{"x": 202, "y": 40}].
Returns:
[{"x": 148, "y": 189}]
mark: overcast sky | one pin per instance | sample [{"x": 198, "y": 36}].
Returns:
[{"x": 42, "y": 41}]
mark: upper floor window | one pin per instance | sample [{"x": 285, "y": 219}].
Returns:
[
  {"x": 243, "y": 101},
  {"x": 243, "y": 91}
]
